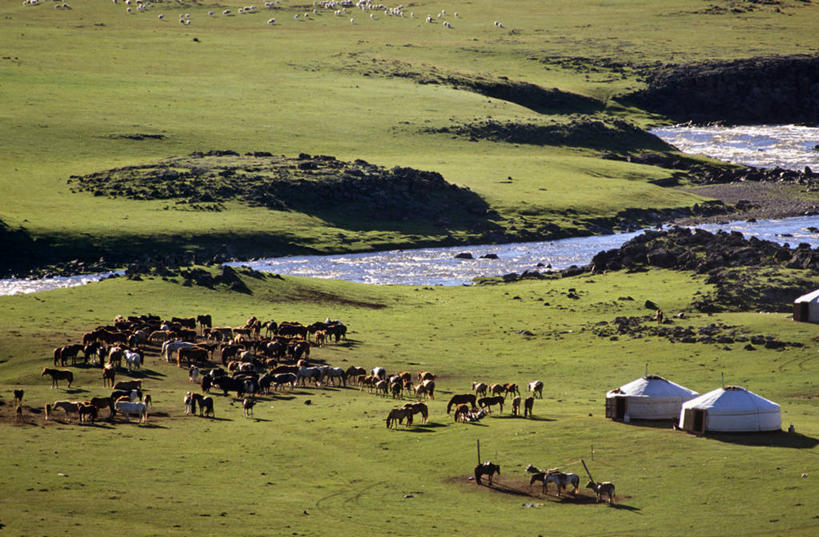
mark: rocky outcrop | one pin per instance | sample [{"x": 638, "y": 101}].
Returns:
[
  {"x": 755, "y": 90},
  {"x": 317, "y": 185},
  {"x": 701, "y": 251}
]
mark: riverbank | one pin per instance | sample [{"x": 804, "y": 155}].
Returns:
[{"x": 756, "y": 201}]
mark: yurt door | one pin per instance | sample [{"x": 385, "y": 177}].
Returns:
[
  {"x": 616, "y": 407},
  {"x": 699, "y": 420}
]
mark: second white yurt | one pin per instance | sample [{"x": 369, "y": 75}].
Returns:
[
  {"x": 730, "y": 409},
  {"x": 806, "y": 308},
  {"x": 647, "y": 398}
]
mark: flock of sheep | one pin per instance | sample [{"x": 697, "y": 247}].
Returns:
[{"x": 339, "y": 8}]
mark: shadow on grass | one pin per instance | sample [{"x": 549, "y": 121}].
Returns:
[
  {"x": 432, "y": 425},
  {"x": 98, "y": 425},
  {"x": 774, "y": 439},
  {"x": 652, "y": 424},
  {"x": 143, "y": 374},
  {"x": 625, "y": 507},
  {"x": 73, "y": 391},
  {"x": 413, "y": 429},
  {"x": 511, "y": 416},
  {"x": 499, "y": 487}
]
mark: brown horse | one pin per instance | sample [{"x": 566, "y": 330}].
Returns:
[
  {"x": 516, "y": 406},
  {"x": 58, "y": 375},
  {"x": 109, "y": 375},
  {"x": 461, "y": 413},
  {"x": 497, "y": 389},
  {"x": 418, "y": 408},
  {"x": 486, "y": 469},
  {"x": 205, "y": 404},
  {"x": 528, "y": 403},
  {"x": 398, "y": 415},
  {"x": 68, "y": 407},
  {"x": 87, "y": 412},
  {"x": 103, "y": 402},
  {"x": 511, "y": 389},
  {"x": 489, "y": 402},
  {"x": 460, "y": 400},
  {"x": 426, "y": 375}
]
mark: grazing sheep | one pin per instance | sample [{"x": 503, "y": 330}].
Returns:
[
  {"x": 226, "y": 12},
  {"x": 160, "y": 16},
  {"x": 271, "y": 21}
]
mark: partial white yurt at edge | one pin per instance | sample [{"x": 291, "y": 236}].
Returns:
[
  {"x": 806, "y": 308},
  {"x": 730, "y": 409},
  {"x": 647, "y": 398}
]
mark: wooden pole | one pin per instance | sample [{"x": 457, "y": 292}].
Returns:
[
  {"x": 479, "y": 450},
  {"x": 587, "y": 471}
]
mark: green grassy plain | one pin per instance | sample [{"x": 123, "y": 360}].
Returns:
[
  {"x": 74, "y": 82},
  {"x": 331, "y": 467}
]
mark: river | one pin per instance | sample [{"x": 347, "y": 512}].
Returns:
[{"x": 784, "y": 146}]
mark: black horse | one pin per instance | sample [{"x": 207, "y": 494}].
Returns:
[{"x": 488, "y": 469}]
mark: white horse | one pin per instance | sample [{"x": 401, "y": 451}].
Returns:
[
  {"x": 379, "y": 372},
  {"x": 170, "y": 347},
  {"x": 133, "y": 360},
  {"x": 305, "y": 373},
  {"x": 188, "y": 403},
  {"x": 333, "y": 373},
  {"x": 136, "y": 408},
  {"x": 193, "y": 374},
  {"x": 561, "y": 481}
]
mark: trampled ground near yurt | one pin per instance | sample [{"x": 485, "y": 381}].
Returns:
[{"x": 331, "y": 467}]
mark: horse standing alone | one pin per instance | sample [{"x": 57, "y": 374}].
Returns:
[
  {"x": 58, "y": 375},
  {"x": 486, "y": 469}
]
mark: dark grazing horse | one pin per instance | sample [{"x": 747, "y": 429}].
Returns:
[
  {"x": 488, "y": 402},
  {"x": 58, "y": 375},
  {"x": 460, "y": 400},
  {"x": 486, "y": 469}
]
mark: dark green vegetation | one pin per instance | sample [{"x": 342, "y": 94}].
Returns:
[{"x": 316, "y": 185}]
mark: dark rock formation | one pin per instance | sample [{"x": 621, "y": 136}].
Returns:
[{"x": 755, "y": 90}]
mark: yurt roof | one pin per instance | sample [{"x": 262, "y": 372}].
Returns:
[
  {"x": 730, "y": 400},
  {"x": 654, "y": 386},
  {"x": 810, "y": 297}
]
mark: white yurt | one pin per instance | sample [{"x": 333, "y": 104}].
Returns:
[
  {"x": 730, "y": 409},
  {"x": 806, "y": 308},
  {"x": 648, "y": 398}
]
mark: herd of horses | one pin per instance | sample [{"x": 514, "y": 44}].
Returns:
[
  {"x": 253, "y": 364},
  {"x": 244, "y": 352}
]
